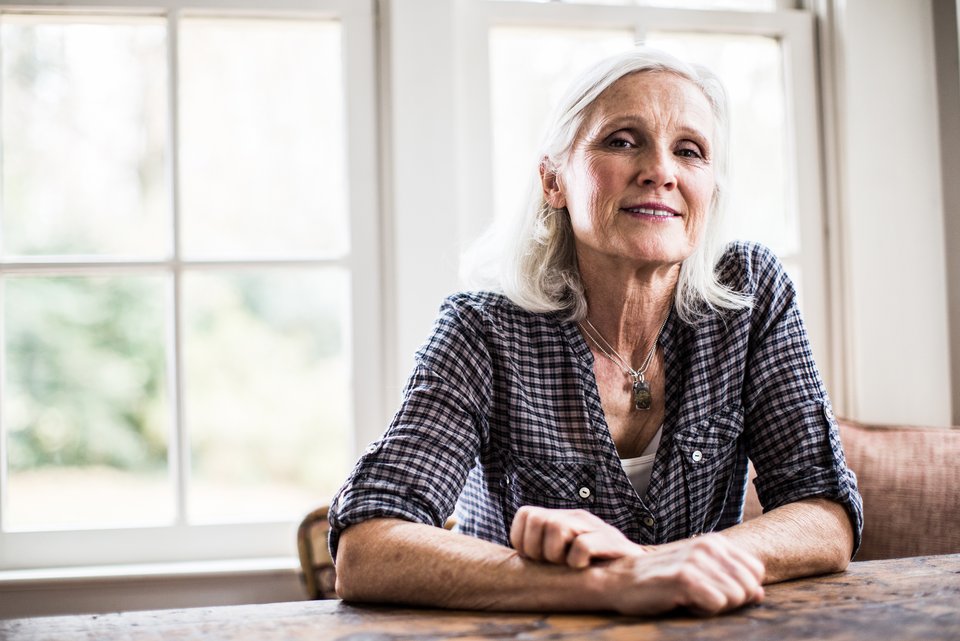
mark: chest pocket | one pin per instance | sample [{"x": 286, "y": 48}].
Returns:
[
  {"x": 551, "y": 484},
  {"x": 709, "y": 458}
]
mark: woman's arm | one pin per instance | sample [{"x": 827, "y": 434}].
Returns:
[
  {"x": 812, "y": 536},
  {"x": 388, "y": 560},
  {"x": 808, "y": 537}
]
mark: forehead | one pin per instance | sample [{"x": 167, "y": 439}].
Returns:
[{"x": 658, "y": 98}]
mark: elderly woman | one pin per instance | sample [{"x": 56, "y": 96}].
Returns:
[{"x": 591, "y": 415}]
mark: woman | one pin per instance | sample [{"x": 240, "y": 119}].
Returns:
[{"x": 594, "y": 411}]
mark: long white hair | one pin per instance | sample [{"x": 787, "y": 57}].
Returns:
[{"x": 531, "y": 258}]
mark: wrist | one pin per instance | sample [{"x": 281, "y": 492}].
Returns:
[{"x": 599, "y": 587}]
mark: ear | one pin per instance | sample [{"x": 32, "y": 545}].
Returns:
[{"x": 552, "y": 189}]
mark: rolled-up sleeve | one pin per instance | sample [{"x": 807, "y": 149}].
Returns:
[
  {"x": 793, "y": 438},
  {"x": 416, "y": 471}
]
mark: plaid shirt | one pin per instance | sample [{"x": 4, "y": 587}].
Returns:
[{"x": 502, "y": 410}]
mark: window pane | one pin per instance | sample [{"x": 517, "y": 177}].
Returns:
[
  {"x": 267, "y": 392},
  {"x": 84, "y": 136},
  {"x": 522, "y": 96},
  {"x": 85, "y": 403},
  {"x": 262, "y": 138},
  {"x": 761, "y": 204}
]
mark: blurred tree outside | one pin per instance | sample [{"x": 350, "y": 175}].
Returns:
[
  {"x": 85, "y": 373},
  {"x": 267, "y": 391}
]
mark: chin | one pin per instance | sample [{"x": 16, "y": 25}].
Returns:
[{"x": 663, "y": 255}]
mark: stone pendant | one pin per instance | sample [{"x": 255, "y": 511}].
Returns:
[{"x": 642, "y": 398}]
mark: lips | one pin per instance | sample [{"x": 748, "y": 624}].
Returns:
[{"x": 652, "y": 209}]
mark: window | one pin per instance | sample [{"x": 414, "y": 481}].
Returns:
[
  {"x": 185, "y": 256},
  {"x": 198, "y": 329},
  {"x": 766, "y": 60}
]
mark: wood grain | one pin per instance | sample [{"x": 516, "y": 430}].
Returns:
[{"x": 914, "y": 598}]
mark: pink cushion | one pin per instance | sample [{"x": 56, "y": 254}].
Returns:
[{"x": 910, "y": 481}]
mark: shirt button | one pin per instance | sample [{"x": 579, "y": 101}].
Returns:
[
  {"x": 372, "y": 448},
  {"x": 697, "y": 456},
  {"x": 584, "y": 492},
  {"x": 648, "y": 521}
]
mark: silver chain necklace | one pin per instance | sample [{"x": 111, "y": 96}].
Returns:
[{"x": 642, "y": 397}]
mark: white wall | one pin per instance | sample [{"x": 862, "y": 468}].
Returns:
[
  {"x": 892, "y": 203},
  {"x": 420, "y": 176}
]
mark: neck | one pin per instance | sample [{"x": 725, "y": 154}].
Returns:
[{"x": 628, "y": 306}]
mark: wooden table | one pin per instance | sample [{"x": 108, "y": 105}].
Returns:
[{"x": 905, "y": 599}]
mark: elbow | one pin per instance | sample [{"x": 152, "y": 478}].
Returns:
[
  {"x": 349, "y": 577},
  {"x": 343, "y": 583},
  {"x": 841, "y": 559},
  {"x": 842, "y": 551},
  {"x": 836, "y": 527}
]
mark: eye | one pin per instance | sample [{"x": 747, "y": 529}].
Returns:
[
  {"x": 621, "y": 140},
  {"x": 690, "y": 150}
]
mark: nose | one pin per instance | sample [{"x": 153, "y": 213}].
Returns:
[{"x": 658, "y": 169}]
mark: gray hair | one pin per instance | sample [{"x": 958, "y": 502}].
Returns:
[{"x": 532, "y": 258}]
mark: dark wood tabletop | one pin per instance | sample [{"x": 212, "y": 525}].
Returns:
[{"x": 916, "y": 599}]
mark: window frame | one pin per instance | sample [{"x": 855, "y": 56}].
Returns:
[
  {"x": 795, "y": 29},
  {"x": 362, "y": 329}
]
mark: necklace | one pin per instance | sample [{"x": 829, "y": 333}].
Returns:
[{"x": 642, "y": 398}]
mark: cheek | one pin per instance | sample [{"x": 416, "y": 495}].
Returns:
[
  {"x": 701, "y": 194},
  {"x": 589, "y": 186}
]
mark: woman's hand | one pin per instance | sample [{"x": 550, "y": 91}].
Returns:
[
  {"x": 707, "y": 575},
  {"x": 574, "y": 538}
]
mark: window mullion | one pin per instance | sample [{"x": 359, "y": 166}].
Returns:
[{"x": 178, "y": 449}]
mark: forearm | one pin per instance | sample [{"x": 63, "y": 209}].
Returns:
[
  {"x": 394, "y": 561},
  {"x": 391, "y": 561},
  {"x": 805, "y": 538}
]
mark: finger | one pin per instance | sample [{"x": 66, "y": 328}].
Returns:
[
  {"x": 743, "y": 572},
  {"x": 599, "y": 544},
  {"x": 562, "y": 527},
  {"x": 707, "y": 593},
  {"x": 695, "y": 589},
  {"x": 533, "y": 535},
  {"x": 750, "y": 562},
  {"x": 557, "y": 537},
  {"x": 517, "y": 528},
  {"x": 743, "y": 566},
  {"x": 582, "y": 550},
  {"x": 713, "y": 580}
]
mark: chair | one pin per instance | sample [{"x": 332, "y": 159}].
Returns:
[
  {"x": 317, "y": 571},
  {"x": 909, "y": 478}
]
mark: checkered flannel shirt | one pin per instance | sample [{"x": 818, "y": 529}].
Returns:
[{"x": 502, "y": 410}]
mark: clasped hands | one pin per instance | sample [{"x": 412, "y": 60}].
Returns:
[{"x": 708, "y": 574}]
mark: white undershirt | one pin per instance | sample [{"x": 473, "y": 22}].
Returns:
[{"x": 638, "y": 468}]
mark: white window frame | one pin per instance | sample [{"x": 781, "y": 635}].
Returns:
[
  {"x": 363, "y": 333},
  {"x": 795, "y": 29}
]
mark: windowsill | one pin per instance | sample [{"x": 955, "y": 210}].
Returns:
[{"x": 62, "y": 577}]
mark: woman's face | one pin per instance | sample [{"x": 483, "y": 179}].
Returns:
[{"x": 639, "y": 180}]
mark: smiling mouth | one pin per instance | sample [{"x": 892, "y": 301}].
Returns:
[{"x": 651, "y": 211}]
